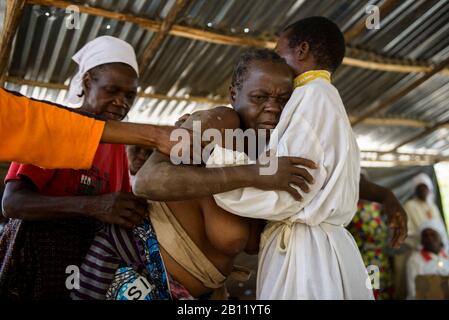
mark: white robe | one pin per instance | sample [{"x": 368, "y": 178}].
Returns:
[
  {"x": 425, "y": 263},
  {"x": 308, "y": 253}
]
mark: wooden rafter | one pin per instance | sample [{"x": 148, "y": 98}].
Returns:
[
  {"x": 394, "y": 122},
  {"x": 157, "y": 40},
  {"x": 386, "y": 102},
  {"x": 426, "y": 132},
  {"x": 379, "y": 63},
  {"x": 14, "y": 10},
  {"x": 399, "y": 159}
]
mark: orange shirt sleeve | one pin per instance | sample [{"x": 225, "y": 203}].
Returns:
[{"x": 46, "y": 135}]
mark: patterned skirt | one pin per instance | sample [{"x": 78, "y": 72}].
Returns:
[{"x": 34, "y": 256}]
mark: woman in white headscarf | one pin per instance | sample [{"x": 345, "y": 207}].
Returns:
[
  {"x": 421, "y": 209},
  {"x": 55, "y": 213}
]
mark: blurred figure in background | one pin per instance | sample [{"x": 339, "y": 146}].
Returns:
[
  {"x": 420, "y": 209},
  {"x": 432, "y": 259},
  {"x": 136, "y": 158}
]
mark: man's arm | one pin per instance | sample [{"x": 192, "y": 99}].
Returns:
[
  {"x": 20, "y": 201},
  {"x": 53, "y": 136},
  {"x": 145, "y": 135},
  {"x": 391, "y": 207},
  {"x": 47, "y": 135},
  {"x": 160, "y": 180}
]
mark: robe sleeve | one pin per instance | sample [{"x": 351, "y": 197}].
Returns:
[{"x": 310, "y": 128}]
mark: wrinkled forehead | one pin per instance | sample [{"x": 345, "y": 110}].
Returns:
[
  {"x": 115, "y": 73},
  {"x": 268, "y": 75}
]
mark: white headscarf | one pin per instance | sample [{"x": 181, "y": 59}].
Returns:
[{"x": 105, "y": 49}]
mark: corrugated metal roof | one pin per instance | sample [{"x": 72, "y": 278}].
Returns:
[{"x": 415, "y": 29}]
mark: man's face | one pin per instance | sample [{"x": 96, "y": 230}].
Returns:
[
  {"x": 137, "y": 157},
  {"x": 283, "y": 49},
  {"x": 111, "y": 91},
  {"x": 431, "y": 241},
  {"x": 265, "y": 90},
  {"x": 422, "y": 191}
]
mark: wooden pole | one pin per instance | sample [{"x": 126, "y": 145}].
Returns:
[
  {"x": 157, "y": 40},
  {"x": 14, "y": 10}
]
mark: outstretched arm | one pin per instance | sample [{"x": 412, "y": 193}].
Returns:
[
  {"x": 37, "y": 132},
  {"x": 145, "y": 135},
  {"x": 391, "y": 207}
]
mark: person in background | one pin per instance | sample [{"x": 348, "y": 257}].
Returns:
[
  {"x": 420, "y": 209},
  {"x": 432, "y": 259},
  {"x": 137, "y": 156}
]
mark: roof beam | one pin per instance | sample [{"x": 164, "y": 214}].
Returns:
[
  {"x": 14, "y": 10},
  {"x": 145, "y": 23},
  {"x": 394, "y": 122},
  {"x": 157, "y": 40},
  {"x": 379, "y": 63},
  {"x": 427, "y": 131},
  {"x": 383, "y": 103},
  {"x": 391, "y": 159}
]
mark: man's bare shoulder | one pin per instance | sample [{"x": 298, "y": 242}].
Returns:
[{"x": 218, "y": 118}]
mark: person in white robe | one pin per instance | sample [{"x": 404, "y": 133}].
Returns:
[
  {"x": 432, "y": 259},
  {"x": 305, "y": 251},
  {"x": 420, "y": 209}
]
